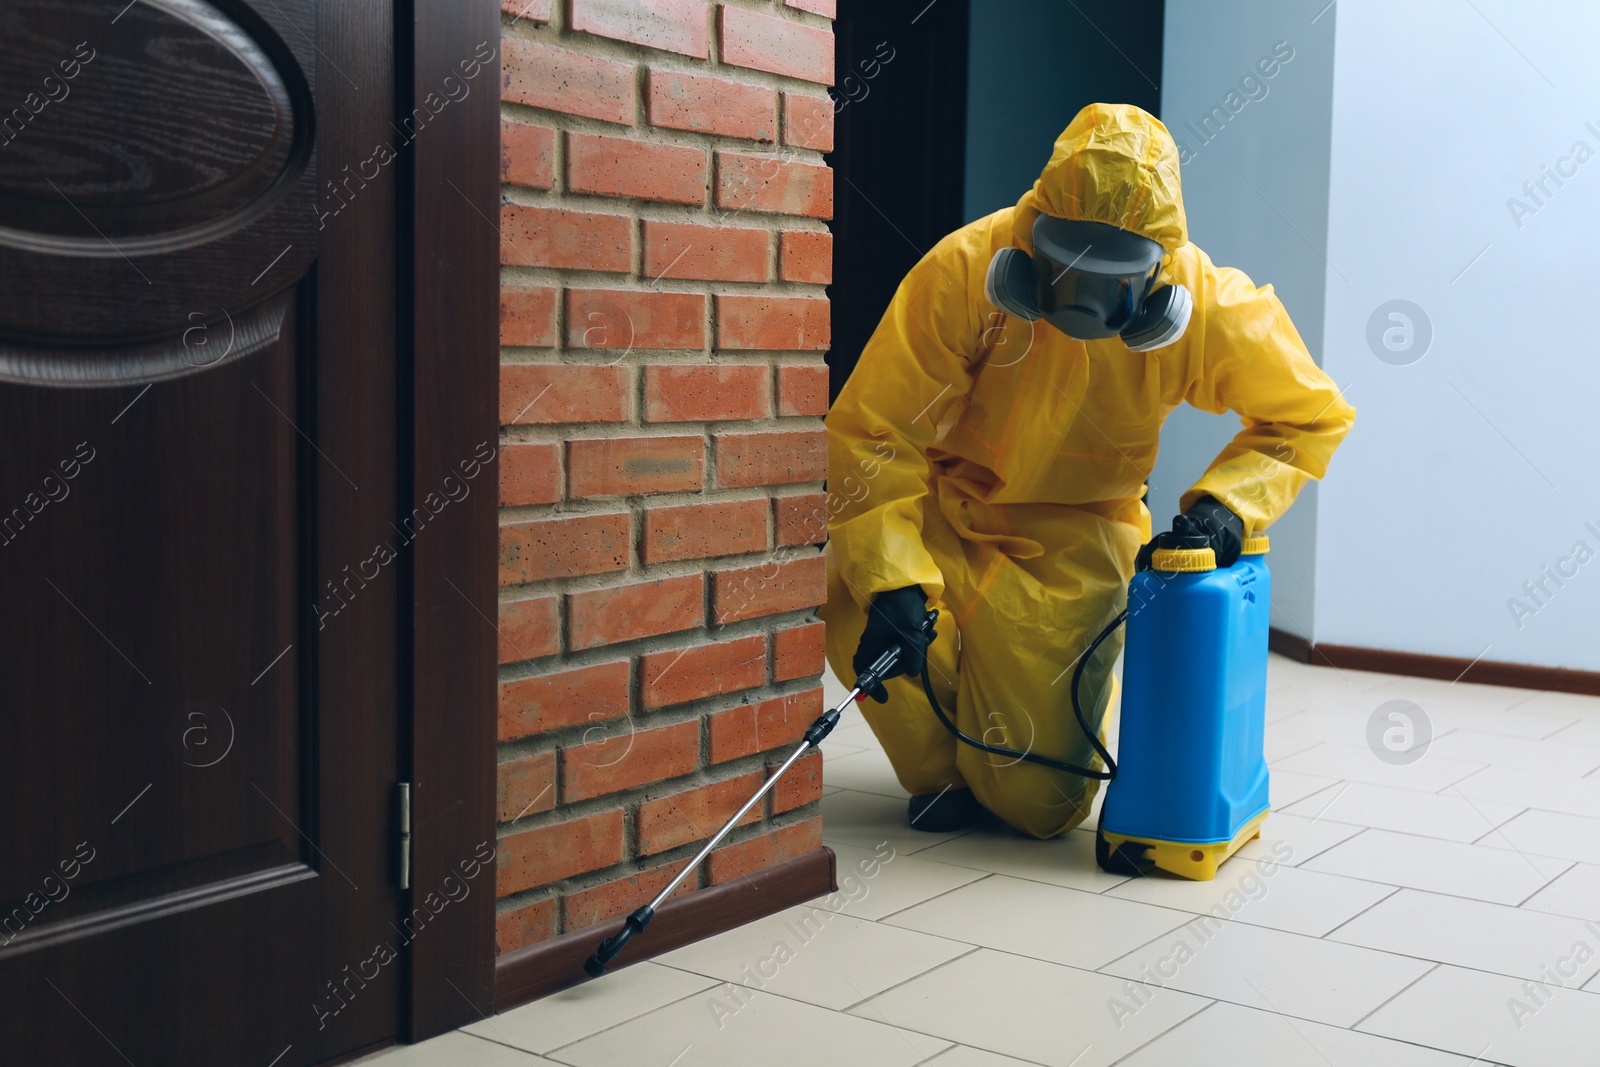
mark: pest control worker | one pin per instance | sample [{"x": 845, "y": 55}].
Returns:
[{"x": 988, "y": 458}]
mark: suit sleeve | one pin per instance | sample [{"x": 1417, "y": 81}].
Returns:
[
  {"x": 915, "y": 372},
  {"x": 1248, "y": 358}
]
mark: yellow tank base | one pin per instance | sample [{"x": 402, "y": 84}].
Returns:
[{"x": 1199, "y": 862}]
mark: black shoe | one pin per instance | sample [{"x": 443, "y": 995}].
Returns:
[{"x": 940, "y": 813}]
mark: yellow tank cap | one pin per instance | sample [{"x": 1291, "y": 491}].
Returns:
[
  {"x": 1256, "y": 545},
  {"x": 1182, "y": 560}
]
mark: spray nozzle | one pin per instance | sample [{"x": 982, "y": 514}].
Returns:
[{"x": 596, "y": 965}]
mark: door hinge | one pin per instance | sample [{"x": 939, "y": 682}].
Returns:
[{"x": 402, "y": 805}]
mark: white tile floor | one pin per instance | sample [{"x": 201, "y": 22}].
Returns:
[{"x": 1442, "y": 912}]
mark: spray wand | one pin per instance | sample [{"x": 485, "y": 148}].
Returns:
[{"x": 881, "y": 667}]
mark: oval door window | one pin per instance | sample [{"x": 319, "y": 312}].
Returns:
[{"x": 173, "y": 128}]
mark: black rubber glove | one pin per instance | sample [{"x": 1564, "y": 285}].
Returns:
[
  {"x": 1207, "y": 518},
  {"x": 895, "y": 619}
]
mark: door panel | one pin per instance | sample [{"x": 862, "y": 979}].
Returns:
[
  {"x": 136, "y": 566},
  {"x": 198, "y": 415}
]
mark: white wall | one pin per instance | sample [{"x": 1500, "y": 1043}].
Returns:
[
  {"x": 1472, "y": 469},
  {"x": 1256, "y": 192}
]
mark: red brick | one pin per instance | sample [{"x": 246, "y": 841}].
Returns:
[
  {"x": 635, "y": 318},
  {"x": 700, "y": 104},
  {"x": 806, "y": 256},
  {"x": 776, "y": 723},
  {"x": 606, "y": 901},
  {"x": 801, "y": 786},
  {"x": 808, "y": 122},
  {"x": 562, "y": 392},
  {"x": 622, "y": 166},
  {"x": 825, "y": 8},
  {"x": 618, "y": 466},
  {"x": 671, "y": 25},
  {"x": 569, "y": 240},
  {"x": 771, "y": 457},
  {"x": 550, "y": 853},
  {"x": 802, "y": 389},
  {"x": 532, "y": 923},
  {"x": 797, "y": 652},
  {"x": 802, "y": 519},
  {"x": 789, "y": 323},
  {"x": 548, "y": 702},
  {"x": 695, "y": 814},
  {"x": 768, "y": 588},
  {"x": 674, "y": 676},
  {"x": 527, "y": 316},
  {"x": 688, "y": 393},
  {"x": 558, "y": 79},
  {"x": 764, "y": 850},
  {"x": 527, "y": 786},
  {"x": 563, "y": 546},
  {"x": 628, "y": 612},
  {"x": 630, "y": 759},
  {"x": 776, "y": 45},
  {"x": 527, "y": 155},
  {"x": 767, "y": 183},
  {"x": 530, "y": 473},
  {"x": 709, "y": 253},
  {"x": 532, "y": 10},
  {"x": 529, "y": 629},
  {"x": 696, "y": 531}
]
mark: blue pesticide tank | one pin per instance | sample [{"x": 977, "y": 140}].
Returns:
[{"x": 1192, "y": 783}]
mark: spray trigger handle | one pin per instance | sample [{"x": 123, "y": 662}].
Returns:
[{"x": 885, "y": 663}]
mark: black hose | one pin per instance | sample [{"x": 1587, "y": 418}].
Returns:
[{"x": 1077, "y": 709}]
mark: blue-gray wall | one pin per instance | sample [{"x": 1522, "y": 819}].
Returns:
[
  {"x": 1032, "y": 64},
  {"x": 1255, "y": 153}
]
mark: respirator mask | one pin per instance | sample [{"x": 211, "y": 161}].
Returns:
[{"x": 1090, "y": 280}]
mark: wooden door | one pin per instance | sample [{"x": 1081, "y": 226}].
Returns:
[{"x": 198, "y": 571}]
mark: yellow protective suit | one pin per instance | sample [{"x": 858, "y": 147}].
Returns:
[{"x": 999, "y": 464}]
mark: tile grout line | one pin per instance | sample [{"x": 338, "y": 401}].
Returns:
[
  {"x": 1567, "y": 870},
  {"x": 539, "y": 1056},
  {"x": 1290, "y": 1015},
  {"x": 1428, "y": 836},
  {"x": 1357, "y": 915},
  {"x": 1440, "y": 892},
  {"x": 1146, "y": 944},
  {"x": 1493, "y": 827},
  {"x": 1346, "y": 782},
  {"x": 1452, "y": 841},
  {"x": 848, "y": 1008},
  {"x": 715, "y": 982},
  {"x": 990, "y": 1051},
  {"x": 1389, "y": 1000},
  {"x": 901, "y": 1031},
  {"x": 1068, "y": 966},
  {"x": 1185, "y": 1021},
  {"x": 983, "y": 876},
  {"x": 1525, "y": 858},
  {"x": 1020, "y": 878}
]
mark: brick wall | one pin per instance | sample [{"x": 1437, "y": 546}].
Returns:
[{"x": 663, "y": 321}]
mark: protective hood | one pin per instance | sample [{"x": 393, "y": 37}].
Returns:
[{"x": 1115, "y": 164}]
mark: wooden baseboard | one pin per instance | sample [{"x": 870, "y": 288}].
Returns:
[
  {"x": 539, "y": 970},
  {"x": 1285, "y": 643},
  {"x": 1448, "y": 668}
]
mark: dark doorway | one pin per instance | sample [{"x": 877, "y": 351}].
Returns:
[
  {"x": 947, "y": 111},
  {"x": 900, "y": 97}
]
